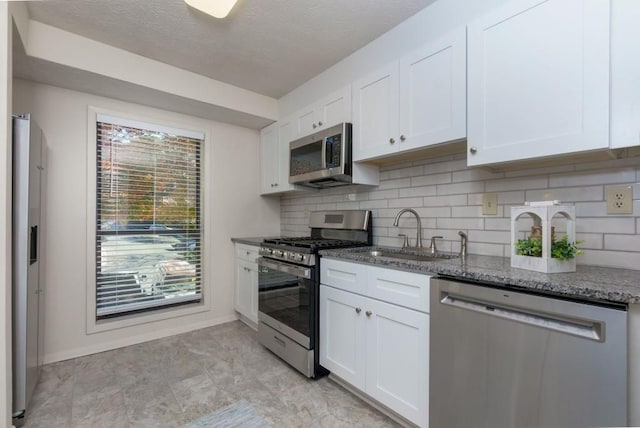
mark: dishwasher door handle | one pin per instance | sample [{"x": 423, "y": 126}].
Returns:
[{"x": 588, "y": 329}]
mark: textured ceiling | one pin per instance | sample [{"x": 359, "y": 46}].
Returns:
[{"x": 267, "y": 46}]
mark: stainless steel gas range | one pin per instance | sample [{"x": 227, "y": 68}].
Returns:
[{"x": 289, "y": 284}]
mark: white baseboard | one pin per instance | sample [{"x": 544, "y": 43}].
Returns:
[{"x": 133, "y": 340}]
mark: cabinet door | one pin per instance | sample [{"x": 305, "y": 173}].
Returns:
[
  {"x": 334, "y": 109},
  {"x": 269, "y": 160},
  {"x": 375, "y": 114},
  {"x": 246, "y": 290},
  {"x": 305, "y": 122},
  {"x": 397, "y": 373},
  {"x": 433, "y": 96},
  {"x": 625, "y": 69},
  {"x": 342, "y": 336},
  {"x": 285, "y": 135},
  {"x": 538, "y": 80}
]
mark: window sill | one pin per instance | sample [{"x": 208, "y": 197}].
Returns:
[{"x": 98, "y": 326}]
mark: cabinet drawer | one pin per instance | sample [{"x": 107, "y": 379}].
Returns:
[
  {"x": 247, "y": 252},
  {"x": 344, "y": 275},
  {"x": 407, "y": 289}
]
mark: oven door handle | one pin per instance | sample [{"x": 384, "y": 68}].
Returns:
[{"x": 285, "y": 267}]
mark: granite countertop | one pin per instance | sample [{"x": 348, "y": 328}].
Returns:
[
  {"x": 588, "y": 282},
  {"x": 255, "y": 240}
]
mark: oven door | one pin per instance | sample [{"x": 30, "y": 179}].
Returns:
[{"x": 286, "y": 299}]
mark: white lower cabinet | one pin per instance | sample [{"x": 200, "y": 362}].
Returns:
[
  {"x": 246, "y": 284},
  {"x": 378, "y": 347}
]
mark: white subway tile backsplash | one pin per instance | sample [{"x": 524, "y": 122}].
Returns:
[
  {"x": 591, "y": 209},
  {"x": 619, "y": 259},
  {"x": 405, "y": 203},
  {"x": 485, "y": 249},
  {"x": 427, "y": 180},
  {"x": 567, "y": 194},
  {"x": 586, "y": 178},
  {"x": 476, "y": 174},
  {"x": 460, "y": 223},
  {"x": 434, "y": 212},
  {"x": 395, "y": 184},
  {"x": 377, "y": 203},
  {"x": 445, "y": 201},
  {"x": 592, "y": 241},
  {"x": 513, "y": 198},
  {"x": 516, "y": 184},
  {"x": 497, "y": 223},
  {"x": 448, "y": 197},
  {"x": 411, "y": 171},
  {"x": 458, "y": 188},
  {"x": 622, "y": 242},
  {"x": 418, "y": 191},
  {"x": 383, "y": 194},
  {"x": 468, "y": 211},
  {"x": 606, "y": 225}
]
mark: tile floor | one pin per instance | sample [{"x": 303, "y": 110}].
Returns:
[{"x": 173, "y": 381}]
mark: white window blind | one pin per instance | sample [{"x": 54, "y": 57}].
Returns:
[{"x": 148, "y": 225}]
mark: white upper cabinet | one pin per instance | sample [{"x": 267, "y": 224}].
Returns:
[
  {"x": 375, "y": 113},
  {"x": 412, "y": 103},
  {"x": 330, "y": 110},
  {"x": 625, "y": 73},
  {"x": 433, "y": 92},
  {"x": 270, "y": 159},
  {"x": 538, "y": 80},
  {"x": 274, "y": 157}
]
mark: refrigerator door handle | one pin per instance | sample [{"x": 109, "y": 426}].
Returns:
[{"x": 33, "y": 250}]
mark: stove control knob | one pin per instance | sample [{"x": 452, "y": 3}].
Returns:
[
  {"x": 278, "y": 253},
  {"x": 300, "y": 257}
]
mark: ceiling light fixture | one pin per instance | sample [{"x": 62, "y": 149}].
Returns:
[{"x": 215, "y": 8}]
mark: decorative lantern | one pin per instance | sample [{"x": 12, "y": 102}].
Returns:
[{"x": 536, "y": 251}]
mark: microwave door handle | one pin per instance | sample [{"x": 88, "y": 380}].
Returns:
[{"x": 324, "y": 153}]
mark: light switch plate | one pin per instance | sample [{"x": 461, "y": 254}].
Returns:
[
  {"x": 619, "y": 200},
  {"x": 490, "y": 204}
]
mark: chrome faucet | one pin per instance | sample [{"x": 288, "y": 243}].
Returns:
[
  {"x": 463, "y": 244},
  {"x": 419, "y": 225}
]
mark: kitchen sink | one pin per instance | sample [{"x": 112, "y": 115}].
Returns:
[{"x": 412, "y": 256}]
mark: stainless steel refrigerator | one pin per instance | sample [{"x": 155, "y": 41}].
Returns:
[{"x": 27, "y": 287}]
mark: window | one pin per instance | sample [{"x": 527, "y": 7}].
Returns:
[{"x": 148, "y": 217}]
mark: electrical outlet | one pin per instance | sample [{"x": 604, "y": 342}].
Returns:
[
  {"x": 620, "y": 200},
  {"x": 490, "y": 204}
]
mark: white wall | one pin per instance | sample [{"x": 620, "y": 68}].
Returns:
[
  {"x": 231, "y": 194},
  {"x": 5, "y": 214}
]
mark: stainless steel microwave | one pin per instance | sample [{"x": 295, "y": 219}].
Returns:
[{"x": 322, "y": 159}]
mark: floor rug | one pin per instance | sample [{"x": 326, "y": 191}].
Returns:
[{"x": 238, "y": 414}]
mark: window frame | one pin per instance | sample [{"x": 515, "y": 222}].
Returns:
[{"x": 93, "y": 324}]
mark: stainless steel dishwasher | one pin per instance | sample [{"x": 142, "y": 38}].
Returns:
[{"x": 501, "y": 358}]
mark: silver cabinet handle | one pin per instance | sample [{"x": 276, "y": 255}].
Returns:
[
  {"x": 358, "y": 310},
  {"x": 248, "y": 252},
  {"x": 402, "y": 138},
  {"x": 315, "y": 126},
  {"x": 320, "y": 123},
  {"x": 473, "y": 150},
  {"x": 368, "y": 313},
  {"x": 280, "y": 341},
  {"x": 392, "y": 141}
]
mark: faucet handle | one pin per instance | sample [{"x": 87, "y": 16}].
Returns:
[
  {"x": 405, "y": 242},
  {"x": 432, "y": 247}
]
